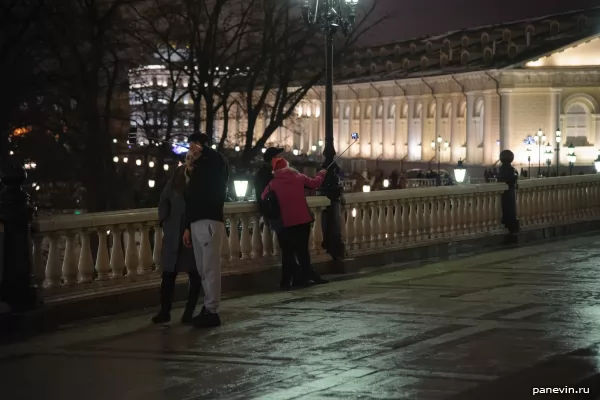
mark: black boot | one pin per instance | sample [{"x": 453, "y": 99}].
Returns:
[
  {"x": 312, "y": 278},
  {"x": 167, "y": 289},
  {"x": 286, "y": 276},
  {"x": 194, "y": 288}
]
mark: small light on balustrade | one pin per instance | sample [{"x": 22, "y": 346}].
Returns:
[
  {"x": 354, "y": 213},
  {"x": 33, "y": 165},
  {"x": 214, "y": 146},
  {"x": 114, "y": 140},
  {"x": 460, "y": 172},
  {"x": 314, "y": 148},
  {"x": 241, "y": 188},
  {"x": 295, "y": 152},
  {"x": 108, "y": 232},
  {"x": 237, "y": 148},
  {"x": 115, "y": 159},
  {"x": 263, "y": 150},
  {"x": 151, "y": 164},
  {"x": 386, "y": 183},
  {"x": 151, "y": 183},
  {"x": 366, "y": 188},
  {"x": 37, "y": 187},
  {"x": 125, "y": 159},
  {"x": 166, "y": 167},
  {"x": 138, "y": 162},
  {"x": 11, "y": 152},
  {"x": 320, "y": 143}
]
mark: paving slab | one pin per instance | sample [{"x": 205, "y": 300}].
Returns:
[{"x": 492, "y": 326}]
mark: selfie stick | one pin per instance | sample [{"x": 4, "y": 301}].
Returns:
[{"x": 339, "y": 155}]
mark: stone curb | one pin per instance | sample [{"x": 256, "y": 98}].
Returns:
[{"x": 55, "y": 314}]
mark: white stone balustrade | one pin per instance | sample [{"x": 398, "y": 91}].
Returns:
[{"x": 104, "y": 250}]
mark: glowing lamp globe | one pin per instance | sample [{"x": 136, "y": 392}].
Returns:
[
  {"x": 366, "y": 188},
  {"x": 460, "y": 172},
  {"x": 241, "y": 187}
]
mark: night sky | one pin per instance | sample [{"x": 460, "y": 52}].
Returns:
[{"x": 414, "y": 18}]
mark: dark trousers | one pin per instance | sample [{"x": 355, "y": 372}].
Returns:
[
  {"x": 293, "y": 241},
  {"x": 167, "y": 290}
]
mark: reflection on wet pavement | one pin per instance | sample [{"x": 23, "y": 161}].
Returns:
[{"x": 492, "y": 326}]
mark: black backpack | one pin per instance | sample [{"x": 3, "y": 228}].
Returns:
[{"x": 269, "y": 207}]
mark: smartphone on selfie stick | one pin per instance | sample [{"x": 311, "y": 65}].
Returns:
[{"x": 354, "y": 137}]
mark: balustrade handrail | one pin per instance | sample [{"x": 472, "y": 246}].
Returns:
[
  {"x": 90, "y": 220},
  {"x": 422, "y": 192}
]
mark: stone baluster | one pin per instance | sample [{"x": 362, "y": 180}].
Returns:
[
  {"x": 470, "y": 214},
  {"x": 69, "y": 266},
  {"x": 267, "y": 241},
  {"x": 454, "y": 214},
  {"x": 366, "y": 225},
  {"x": 145, "y": 254},
  {"x": 384, "y": 214},
  {"x": 102, "y": 260},
  {"x": 404, "y": 209},
  {"x": 358, "y": 226},
  {"x": 276, "y": 247},
  {"x": 447, "y": 217},
  {"x": 234, "y": 239},
  {"x": 53, "y": 266},
  {"x": 225, "y": 249},
  {"x": 131, "y": 251},
  {"x": 246, "y": 239},
  {"x": 86, "y": 261},
  {"x": 422, "y": 223},
  {"x": 431, "y": 216},
  {"x": 157, "y": 252},
  {"x": 39, "y": 268},
  {"x": 523, "y": 196},
  {"x": 413, "y": 224},
  {"x": 117, "y": 261},
  {"x": 350, "y": 226},
  {"x": 463, "y": 212},
  {"x": 398, "y": 226},
  {"x": 257, "y": 248},
  {"x": 374, "y": 228},
  {"x": 318, "y": 232}
]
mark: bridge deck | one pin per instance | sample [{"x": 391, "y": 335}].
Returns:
[{"x": 492, "y": 326}]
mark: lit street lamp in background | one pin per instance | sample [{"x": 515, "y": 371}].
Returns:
[
  {"x": 241, "y": 188},
  {"x": 597, "y": 163},
  {"x": 548, "y": 153},
  {"x": 558, "y": 140},
  {"x": 437, "y": 147},
  {"x": 330, "y": 16},
  {"x": 571, "y": 158},
  {"x": 460, "y": 172},
  {"x": 540, "y": 139}
]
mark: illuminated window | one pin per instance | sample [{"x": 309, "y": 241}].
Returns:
[{"x": 576, "y": 124}]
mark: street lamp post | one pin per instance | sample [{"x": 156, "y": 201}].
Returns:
[
  {"x": 529, "y": 143},
  {"x": 571, "y": 158},
  {"x": 558, "y": 140},
  {"x": 540, "y": 138},
  {"x": 329, "y": 16},
  {"x": 437, "y": 147},
  {"x": 548, "y": 158}
]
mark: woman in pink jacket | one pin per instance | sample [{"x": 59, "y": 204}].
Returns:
[{"x": 296, "y": 219}]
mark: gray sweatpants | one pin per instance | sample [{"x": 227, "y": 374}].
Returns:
[{"x": 206, "y": 239}]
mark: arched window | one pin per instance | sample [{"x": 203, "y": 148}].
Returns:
[
  {"x": 404, "y": 111},
  {"x": 479, "y": 117},
  {"x": 418, "y": 111},
  {"x": 347, "y": 112},
  {"x": 447, "y": 110},
  {"x": 357, "y": 112},
  {"x": 368, "y": 113},
  {"x": 576, "y": 124},
  {"x": 392, "y": 113},
  {"x": 432, "y": 110},
  {"x": 379, "y": 111}
]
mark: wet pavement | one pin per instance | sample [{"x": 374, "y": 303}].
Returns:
[{"x": 494, "y": 326}]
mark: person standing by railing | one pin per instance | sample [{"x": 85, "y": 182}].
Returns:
[
  {"x": 296, "y": 219},
  {"x": 206, "y": 195},
  {"x": 175, "y": 256}
]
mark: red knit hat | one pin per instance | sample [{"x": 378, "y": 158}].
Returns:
[{"x": 278, "y": 163}]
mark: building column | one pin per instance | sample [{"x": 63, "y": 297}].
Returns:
[
  {"x": 400, "y": 136},
  {"x": 427, "y": 153},
  {"x": 414, "y": 154},
  {"x": 554, "y": 113},
  {"x": 505, "y": 119},
  {"x": 596, "y": 118},
  {"x": 373, "y": 135},
  {"x": 384, "y": 136},
  {"x": 472, "y": 144},
  {"x": 365, "y": 136},
  {"x": 489, "y": 139},
  {"x": 455, "y": 145}
]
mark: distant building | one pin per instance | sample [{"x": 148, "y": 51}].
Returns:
[{"x": 481, "y": 90}]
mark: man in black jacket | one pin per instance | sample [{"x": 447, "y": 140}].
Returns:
[
  {"x": 265, "y": 173},
  {"x": 205, "y": 198}
]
